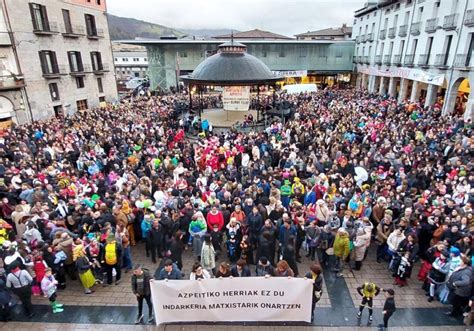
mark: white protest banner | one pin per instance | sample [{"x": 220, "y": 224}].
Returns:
[
  {"x": 249, "y": 299},
  {"x": 290, "y": 73},
  {"x": 413, "y": 74},
  {"x": 236, "y": 98}
]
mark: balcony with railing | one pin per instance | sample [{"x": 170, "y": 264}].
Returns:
[
  {"x": 11, "y": 82},
  {"x": 53, "y": 72},
  {"x": 469, "y": 19},
  {"x": 397, "y": 60},
  {"x": 357, "y": 40},
  {"x": 409, "y": 59},
  {"x": 450, "y": 22},
  {"x": 378, "y": 59},
  {"x": 462, "y": 61},
  {"x": 382, "y": 34},
  {"x": 386, "y": 59},
  {"x": 73, "y": 31},
  {"x": 94, "y": 33},
  {"x": 392, "y": 32},
  {"x": 423, "y": 60},
  {"x": 359, "y": 59},
  {"x": 80, "y": 70},
  {"x": 369, "y": 37},
  {"x": 441, "y": 61},
  {"x": 402, "y": 32},
  {"x": 366, "y": 60},
  {"x": 100, "y": 68},
  {"x": 431, "y": 25},
  {"x": 46, "y": 28},
  {"x": 363, "y": 38},
  {"x": 415, "y": 29}
]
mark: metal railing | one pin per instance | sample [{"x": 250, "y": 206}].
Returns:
[
  {"x": 462, "y": 61},
  {"x": 73, "y": 30},
  {"x": 54, "y": 71},
  {"x": 95, "y": 33},
  {"x": 402, "y": 32},
  {"x": 450, "y": 22},
  {"x": 382, "y": 34},
  {"x": 369, "y": 37},
  {"x": 441, "y": 61},
  {"x": 397, "y": 60},
  {"x": 366, "y": 60},
  {"x": 47, "y": 28},
  {"x": 423, "y": 60},
  {"x": 431, "y": 25},
  {"x": 101, "y": 67},
  {"x": 409, "y": 59},
  {"x": 386, "y": 59},
  {"x": 469, "y": 19},
  {"x": 415, "y": 29},
  {"x": 358, "y": 40},
  {"x": 392, "y": 32},
  {"x": 378, "y": 59},
  {"x": 363, "y": 38}
]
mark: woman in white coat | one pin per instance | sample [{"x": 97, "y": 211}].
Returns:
[
  {"x": 360, "y": 246},
  {"x": 198, "y": 272}
]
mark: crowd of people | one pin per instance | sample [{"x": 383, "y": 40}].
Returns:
[{"x": 349, "y": 171}]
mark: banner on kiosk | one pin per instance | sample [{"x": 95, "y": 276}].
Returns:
[
  {"x": 236, "y": 98},
  {"x": 249, "y": 299}
]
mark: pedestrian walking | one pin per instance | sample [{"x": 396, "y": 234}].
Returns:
[
  {"x": 20, "y": 282},
  {"x": 388, "y": 307}
]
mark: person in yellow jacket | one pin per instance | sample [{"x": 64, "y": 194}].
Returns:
[
  {"x": 368, "y": 291},
  {"x": 297, "y": 184},
  {"x": 341, "y": 250}
]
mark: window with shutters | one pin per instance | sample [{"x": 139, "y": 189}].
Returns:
[
  {"x": 90, "y": 25},
  {"x": 39, "y": 17},
  {"x": 75, "y": 61},
  {"x": 99, "y": 84},
  {"x": 96, "y": 60},
  {"x": 54, "y": 91},
  {"x": 49, "y": 63}
]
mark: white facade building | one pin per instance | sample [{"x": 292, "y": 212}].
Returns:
[
  {"x": 130, "y": 61},
  {"x": 417, "y": 50}
]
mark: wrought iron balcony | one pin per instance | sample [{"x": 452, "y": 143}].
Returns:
[
  {"x": 450, "y": 22},
  {"x": 392, "y": 32},
  {"x": 378, "y": 59},
  {"x": 423, "y": 60},
  {"x": 403, "y": 31},
  {"x": 47, "y": 28},
  {"x": 366, "y": 60},
  {"x": 101, "y": 68},
  {"x": 54, "y": 71},
  {"x": 397, "y": 60},
  {"x": 382, "y": 34},
  {"x": 95, "y": 33},
  {"x": 369, "y": 37},
  {"x": 73, "y": 31},
  {"x": 409, "y": 59},
  {"x": 358, "y": 40},
  {"x": 363, "y": 38},
  {"x": 441, "y": 61},
  {"x": 415, "y": 28},
  {"x": 462, "y": 61},
  {"x": 469, "y": 20},
  {"x": 431, "y": 25},
  {"x": 80, "y": 71},
  {"x": 386, "y": 59}
]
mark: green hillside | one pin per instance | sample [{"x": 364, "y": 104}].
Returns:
[{"x": 121, "y": 28}]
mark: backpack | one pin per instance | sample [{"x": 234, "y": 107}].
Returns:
[{"x": 111, "y": 254}]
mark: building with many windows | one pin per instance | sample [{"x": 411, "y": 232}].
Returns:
[
  {"x": 130, "y": 61},
  {"x": 342, "y": 33},
  {"x": 419, "y": 50},
  {"x": 59, "y": 55}
]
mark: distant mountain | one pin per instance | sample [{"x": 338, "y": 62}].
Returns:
[
  {"x": 129, "y": 28},
  {"x": 206, "y": 33}
]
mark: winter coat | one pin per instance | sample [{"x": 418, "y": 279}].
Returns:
[
  {"x": 48, "y": 285},
  {"x": 360, "y": 245},
  {"x": 461, "y": 282},
  {"x": 161, "y": 274},
  {"x": 313, "y": 236},
  {"x": 383, "y": 231},
  {"x": 141, "y": 285},
  {"x": 341, "y": 245},
  {"x": 394, "y": 241},
  {"x": 208, "y": 257},
  {"x": 263, "y": 270}
]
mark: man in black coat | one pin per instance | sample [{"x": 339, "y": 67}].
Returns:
[
  {"x": 156, "y": 238},
  {"x": 141, "y": 289}
]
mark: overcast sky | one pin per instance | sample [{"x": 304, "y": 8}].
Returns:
[{"x": 287, "y": 17}]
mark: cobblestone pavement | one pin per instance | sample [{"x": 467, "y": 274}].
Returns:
[{"x": 80, "y": 327}]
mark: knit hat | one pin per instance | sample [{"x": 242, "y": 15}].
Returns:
[{"x": 455, "y": 251}]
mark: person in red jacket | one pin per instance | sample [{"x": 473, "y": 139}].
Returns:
[{"x": 215, "y": 217}]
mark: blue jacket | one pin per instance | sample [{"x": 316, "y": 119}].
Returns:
[
  {"x": 285, "y": 234},
  {"x": 146, "y": 227},
  {"x": 161, "y": 274}
]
